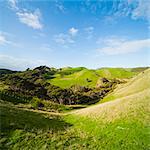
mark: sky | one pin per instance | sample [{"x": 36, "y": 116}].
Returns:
[{"x": 62, "y": 33}]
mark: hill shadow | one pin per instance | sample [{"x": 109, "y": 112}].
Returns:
[{"x": 14, "y": 118}]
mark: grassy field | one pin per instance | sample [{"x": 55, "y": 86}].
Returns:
[
  {"x": 119, "y": 124},
  {"x": 80, "y": 76}
]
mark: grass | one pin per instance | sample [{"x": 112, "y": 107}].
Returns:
[
  {"x": 77, "y": 78},
  {"x": 135, "y": 85},
  {"x": 120, "y": 134},
  {"x": 120, "y": 124},
  {"x": 115, "y": 73},
  {"x": 26, "y": 129},
  {"x": 80, "y": 75},
  {"x": 23, "y": 129}
]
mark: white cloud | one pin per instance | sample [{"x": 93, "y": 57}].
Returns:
[
  {"x": 142, "y": 10},
  {"x": 73, "y": 31},
  {"x": 63, "y": 39},
  {"x": 114, "y": 45},
  {"x": 13, "y": 63},
  {"x": 31, "y": 19},
  {"x": 3, "y": 40}
]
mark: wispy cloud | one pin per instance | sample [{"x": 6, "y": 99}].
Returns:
[
  {"x": 13, "y": 4},
  {"x": 66, "y": 38},
  {"x": 116, "y": 45},
  {"x": 142, "y": 10},
  {"x": 13, "y": 63},
  {"x": 60, "y": 7},
  {"x": 4, "y": 40},
  {"x": 89, "y": 31},
  {"x": 30, "y": 18},
  {"x": 114, "y": 9},
  {"x": 46, "y": 47},
  {"x": 73, "y": 31},
  {"x": 63, "y": 39}
]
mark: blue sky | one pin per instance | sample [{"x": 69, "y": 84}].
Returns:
[{"x": 57, "y": 33}]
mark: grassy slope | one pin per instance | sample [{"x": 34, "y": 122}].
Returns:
[
  {"x": 79, "y": 77},
  {"x": 136, "y": 84},
  {"x": 137, "y": 89},
  {"x": 115, "y": 73},
  {"x": 76, "y": 78},
  {"x": 124, "y": 122},
  {"x": 24, "y": 129},
  {"x": 120, "y": 124}
]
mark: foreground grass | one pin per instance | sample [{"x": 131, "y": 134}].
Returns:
[{"x": 23, "y": 129}]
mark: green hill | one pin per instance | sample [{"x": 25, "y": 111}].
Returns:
[
  {"x": 124, "y": 122},
  {"x": 85, "y": 77},
  {"x": 135, "y": 85},
  {"x": 115, "y": 73},
  {"x": 137, "y": 88}
]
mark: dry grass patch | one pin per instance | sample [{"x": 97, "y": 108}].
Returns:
[{"x": 132, "y": 105}]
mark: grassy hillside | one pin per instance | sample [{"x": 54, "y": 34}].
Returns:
[
  {"x": 124, "y": 122},
  {"x": 135, "y": 85},
  {"x": 120, "y": 124},
  {"x": 79, "y": 78},
  {"x": 126, "y": 97},
  {"x": 115, "y": 73},
  {"x": 86, "y": 77}
]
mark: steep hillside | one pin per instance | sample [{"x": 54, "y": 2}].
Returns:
[{"x": 135, "y": 85}]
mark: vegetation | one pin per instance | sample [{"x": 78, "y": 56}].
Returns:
[
  {"x": 35, "y": 83},
  {"x": 115, "y": 73},
  {"x": 120, "y": 123},
  {"x": 135, "y": 85},
  {"x": 89, "y": 78},
  {"x": 6, "y": 71}
]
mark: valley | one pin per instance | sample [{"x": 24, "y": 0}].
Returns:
[{"x": 120, "y": 120}]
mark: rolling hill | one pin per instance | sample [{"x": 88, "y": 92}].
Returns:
[
  {"x": 132, "y": 93},
  {"x": 87, "y": 77},
  {"x": 121, "y": 122},
  {"x": 79, "y": 78},
  {"x": 124, "y": 119}
]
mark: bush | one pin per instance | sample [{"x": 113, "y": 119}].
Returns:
[
  {"x": 37, "y": 103},
  {"x": 46, "y": 105}
]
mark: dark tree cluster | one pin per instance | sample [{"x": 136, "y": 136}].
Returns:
[{"x": 34, "y": 83}]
